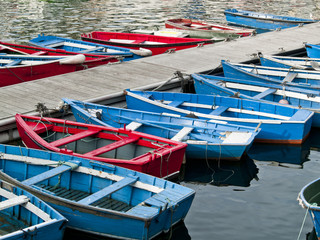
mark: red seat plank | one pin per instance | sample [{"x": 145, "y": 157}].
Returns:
[{"x": 74, "y": 137}]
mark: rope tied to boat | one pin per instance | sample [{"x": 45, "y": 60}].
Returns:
[{"x": 304, "y": 219}]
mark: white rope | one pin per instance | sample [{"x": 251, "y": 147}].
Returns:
[{"x": 304, "y": 219}]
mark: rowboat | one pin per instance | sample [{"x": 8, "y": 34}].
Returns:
[
  {"x": 268, "y": 92},
  {"x": 96, "y": 197},
  {"x": 263, "y": 21},
  {"x": 156, "y": 44},
  {"x": 313, "y": 51},
  {"x": 24, "y": 216},
  {"x": 21, "y": 68},
  {"x": 122, "y": 147},
  {"x": 91, "y": 60},
  {"x": 308, "y": 79},
  {"x": 201, "y": 29},
  {"x": 206, "y": 140},
  {"x": 78, "y": 46},
  {"x": 304, "y": 63},
  {"x": 279, "y": 124},
  {"x": 309, "y": 199}
]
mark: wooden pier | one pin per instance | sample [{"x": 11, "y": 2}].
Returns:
[{"x": 109, "y": 81}]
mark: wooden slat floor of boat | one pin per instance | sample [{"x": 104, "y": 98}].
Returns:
[
  {"x": 96, "y": 83},
  {"x": 76, "y": 195}
]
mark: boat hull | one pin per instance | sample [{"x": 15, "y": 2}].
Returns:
[
  {"x": 264, "y": 22},
  {"x": 137, "y": 151},
  {"x": 90, "y": 61},
  {"x": 141, "y": 222},
  {"x": 287, "y": 132},
  {"x": 159, "y": 44},
  {"x": 19, "y": 74},
  {"x": 309, "y": 199},
  {"x": 24, "y": 221},
  {"x": 199, "y": 145},
  {"x": 223, "y": 86},
  {"x": 200, "y": 29}
]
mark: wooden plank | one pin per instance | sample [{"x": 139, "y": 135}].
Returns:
[
  {"x": 290, "y": 76},
  {"x": 13, "y": 202},
  {"x": 219, "y": 110},
  {"x": 48, "y": 174},
  {"x": 29, "y": 206},
  {"x": 133, "y": 126},
  {"x": 74, "y": 137},
  {"x": 108, "y": 190},
  {"x": 182, "y": 133},
  {"x": 265, "y": 93}
]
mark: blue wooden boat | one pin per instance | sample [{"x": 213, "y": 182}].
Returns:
[
  {"x": 79, "y": 46},
  {"x": 24, "y": 216},
  {"x": 262, "y": 21},
  {"x": 269, "y": 92},
  {"x": 309, "y": 198},
  {"x": 97, "y": 197},
  {"x": 313, "y": 50},
  {"x": 279, "y": 124},
  {"x": 304, "y": 63},
  {"x": 205, "y": 139},
  {"x": 308, "y": 79}
]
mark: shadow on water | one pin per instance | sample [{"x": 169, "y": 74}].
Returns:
[
  {"x": 178, "y": 232},
  {"x": 282, "y": 155},
  {"x": 220, "y": 173}
]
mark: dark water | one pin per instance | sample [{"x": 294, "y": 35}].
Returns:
[{"x": 251, "y": 199}]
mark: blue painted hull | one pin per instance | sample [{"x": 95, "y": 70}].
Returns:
[
  {"x": 265, "y": 22},
  {"x": 309, "y": 199},
  {"x": 313, "y": 51},
  {"x": 165, "y": 202},
  {"x": 309, "y": 80},
  {"x": 206, "y": 84},
  {"x": 288, "y": 131},
  {"x": 25, "y": 223},
  {"x": 79, "y": 46},
  {"x": 204, "y": 142}
]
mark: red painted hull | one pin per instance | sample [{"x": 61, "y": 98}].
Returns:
[
  {"x": 91, "y": 60},
  {"x": 163, "y": 158},
  {"x": 19, "y": 74},
  {"x": 187, "y": 24},
  {"x": 156, "y": 44}
]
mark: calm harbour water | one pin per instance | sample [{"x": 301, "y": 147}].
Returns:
[{"x": 250, "y": 199}]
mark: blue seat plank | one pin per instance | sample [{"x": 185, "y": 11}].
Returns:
[
  {"x": 299, "y": 116},
  {"x": 51, "y": 173},
  {"x": 265, "y": 93},
  {"x": 175, "y": 103},
  {"x": 92, "y": 50},
  {"x": 13, "y": 63},
  {"x": 108, "y": 190},
  {"x": 219, "y": 110}
]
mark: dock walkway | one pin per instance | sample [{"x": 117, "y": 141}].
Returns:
[{"x": 95, "y": 83}]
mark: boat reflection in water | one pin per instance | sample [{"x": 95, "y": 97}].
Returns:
[
  {"x": 280, "y": 154},
  {"x": 220, "y": 173},
  {"x": 178, "y": 232}
]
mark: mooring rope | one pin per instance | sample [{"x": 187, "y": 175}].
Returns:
[{"x": 304, "y": 220}]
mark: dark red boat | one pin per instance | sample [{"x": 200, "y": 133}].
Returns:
[
  {"x": 157, "y": 44},
  {"x": 91, "y": 60},
  {"x": 142, "y": 152}
]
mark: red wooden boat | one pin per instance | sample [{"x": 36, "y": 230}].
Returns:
[
  {"x": 157, "y": 44},
  {"x": 91, "y": 60},
  {"x": 134, "y": 150},
  {"x": 15, "y": 68},
  {"x": 203, "y": 29}
]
